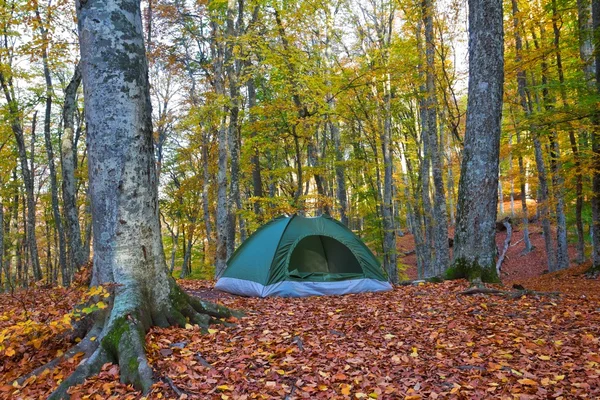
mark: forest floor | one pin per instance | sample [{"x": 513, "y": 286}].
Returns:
[{"x": 416, "y": 342}]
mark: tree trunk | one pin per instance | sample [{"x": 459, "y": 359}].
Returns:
[
  {"x": 2, "y": 244},
  {"x": 62, "y": 252},
  {"x": 596, "y": 144},
  {"x": 313, "y": 161},
  {"x": 425, "y": 161},
  {"x": 440, "y": 218},
  {"x": 232, "y": 69},
  {"x": 475, "y": 236},
  {"x": 187, "y": 255},
  {"x": 562, "y": 255},
  {"x": 257, "y": 184},
  {"x": 525, "y": 102},
  {"x": 17, "y": 128},
  {"x": 525, "y": 220},
  {"x": 586, "y": 49},
  {"x": 390, "y": 253},
  {"x": 205, "y": 193},
  {"x": 69, "y": 185},
  {"x": 128, "y": 249}
]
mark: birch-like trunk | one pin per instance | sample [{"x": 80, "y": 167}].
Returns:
[
  {"x": 475, "y": 236},
  {"x": 69, "y": 184},
  {"x": 440, "y": 219},
  {"x": 521, "y": 81},
  {"x": 257, "y": 184},
  {"x": 62, "y": 251},
  {"x": 26, "y": 172}
]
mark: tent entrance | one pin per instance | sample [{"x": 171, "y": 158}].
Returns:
[{"x": 320, "y": 257}]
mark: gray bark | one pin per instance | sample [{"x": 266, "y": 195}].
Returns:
[
  {"x": 62, "y": 252},
  {"x": 69, "y": 185},
  {"x": 525, "y": 102},
  {"x": 187, "y": 255},
  {"x": 390, "y": 256},
  {"x": 2, "y": 244},
  {"x": 475, "y": 235},
  {"x": 206, "y": 188},
  {"x": 440, "y": 219},
  {"x": 26, "y": 172},
  {"x": 425, "y": 168},
  {"x": 525, "y": 220},
  {"x": 562, "y": 255},
  {"x": 222, "y": 220},
  {"x": 586, "y": 39},
  {"x": 128, "y": 249},
  {"x": 521, "y": 83},
  {"x": 586, "y": 49},
  {"x": 257, "y": 184},
  {"x": 232, "y": 69},
  {"x": 313, "y": 161},
  {"x": 596, "y": 144},
  {"x": 543, "y": 189}
]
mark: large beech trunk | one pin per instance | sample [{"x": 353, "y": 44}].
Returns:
[
  {"x": 474, "y": 240},
  {"x": 128, "y": 250}
]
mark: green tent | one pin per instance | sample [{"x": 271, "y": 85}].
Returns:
[{"x": 296, "y": 256}]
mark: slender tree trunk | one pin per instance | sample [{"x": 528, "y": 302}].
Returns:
[
  {"x": 586, "y": 49},
  {"x": 596, "y": 143},
  {"x": 257, "y": 184},
  {"x": 340, "y": 170},
  {"x": 525, "y": 102},
  {"x": 475, "y": 236},
  {"x": 313, "y": 161},
  {"x": 26, "y": 171},
  {"x": 2, "y": 245},
  {"x": 390, "y": 255},
  {"x": 425, "y": 159},
  {"x": 205, "y": 194},
  {"x": 415, "y": 216},
  {"x": 77, "y": 256},
  {"x": 562, "y": 255},
  {"x": 65, "y": 271},
  {"x": 187, "y": 256},
  {"x": 232, "y": 69},
  {"x": 522, "y": 178},
  {"x": 440, "y": 218}
]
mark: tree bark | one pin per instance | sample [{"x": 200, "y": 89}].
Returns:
[
  {"x": 440, "y": 219},
  {"x": 128, "y": 249},
  {"x": 475, "y": 234},
  {"x": 596, "y": 144},
  {"x": 17, "y": 128},
  {"x": 257, "y": 184},
  {"x": 2, "y": 244},
  {"x": 390, "y": 253},
  {"x": 222, "y": 220},
  {"x": 62, "y": 252},
  {"x": 562, "y": 255},
  {"x": 69, "y": 185},
  {"x": 232, "y": 69}
]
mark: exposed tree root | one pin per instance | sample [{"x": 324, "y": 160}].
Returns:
[
  {"x": 593, "y": 272},
  {"x": 480, "y": 289},
  {"x": 118, "y": 336},
  {"x": 86, "y": 346}
]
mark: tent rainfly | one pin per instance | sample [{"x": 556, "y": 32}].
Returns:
[{"x": 297, "y": 257}]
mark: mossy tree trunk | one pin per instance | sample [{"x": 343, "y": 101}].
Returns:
[
  {"x": 128, "y": 250},
  {"x": 475, "y": 232}
]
